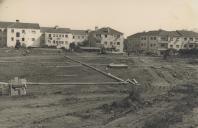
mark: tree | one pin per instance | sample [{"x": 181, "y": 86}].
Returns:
[
  {"x": 18, "y": 45},
  {"x": 72, "y": 46}
]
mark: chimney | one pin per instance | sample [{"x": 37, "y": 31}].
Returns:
[
  {"x": 55, "y": 27},
  {"x": 96, "y": 27},
  {"x": 108, "y": 30},
  {"x": 17, "y": 21}
]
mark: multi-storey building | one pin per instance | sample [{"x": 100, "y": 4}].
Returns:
[
  {"x": 56, "y": 37},
  {"x": 27, "y": 34},
  {"x": 80, "y": 36},
  {"x": 159, "y": 41},
  {"x": 108, "y": 38}
]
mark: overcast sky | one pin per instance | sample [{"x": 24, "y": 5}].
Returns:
[{"x": 128, "y": 16}]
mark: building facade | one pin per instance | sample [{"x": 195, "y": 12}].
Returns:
[
  {"x": 108, "y": 38},
  {"x": 26, "y": 34},
  {"x": 159, "y": 41},
  {"x": 56, "y": 37},
  {"x": 80, "y": 36}
]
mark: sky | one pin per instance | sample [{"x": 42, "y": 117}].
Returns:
[{"x": 127, "y": 16}]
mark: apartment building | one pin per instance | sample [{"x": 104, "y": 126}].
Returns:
[
  {"x": 80, "y": 36},
  {"x": 56, "y": 37},
  {"x": 27, "y": 34},
  {"x": 159, "y": 41},
  {"x": 108, "y": 38}
]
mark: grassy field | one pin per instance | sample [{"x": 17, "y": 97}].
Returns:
[{"x": 90, "y": 106}]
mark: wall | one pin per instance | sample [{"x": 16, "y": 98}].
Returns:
[
  {"x": 112, "y": 41},
  {"x": 3, "y": 37},
  {"x": 61, "y": 40},
  {"x": 28, "y": 36}
]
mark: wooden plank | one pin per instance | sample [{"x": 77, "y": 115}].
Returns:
[{"x": 75, "y": 83}]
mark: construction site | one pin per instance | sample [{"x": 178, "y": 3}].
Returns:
[{"x": 51, "y": 88}]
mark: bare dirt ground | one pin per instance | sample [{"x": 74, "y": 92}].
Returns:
[{"x": 167, "y": 95}]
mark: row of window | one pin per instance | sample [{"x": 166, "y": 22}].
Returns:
[
  {"x": 58, "y": 42},
  {"x": 171, "y": 39},
  {"x": 151, "y": 38},
  {"x": 23, "y": 39},
  {"x": 99, "y": 35},
  {"x": 178, "y": 46},
  {"x": 78, "y": 37},
  {"x": 23, "y": 31},
  {"x": 111, "y": 43},
  {"x": 58, "y": 35}
]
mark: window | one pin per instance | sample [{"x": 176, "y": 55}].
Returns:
[
  {"x": 185, "y": 45},
  {"x": 83, "y": 37},
  {"x": 185, "y": 39},
  {"x": 154, "y": 38},
  {"x": 98, "y": 35},
  {"x": 73, "y": 37},
  {"x": 151, "y": 45},
  {"x": 59, "y": 35},
  {"x": 0, "y": 30},
  {"x": 62, "y": 35},
  {"x": 34, "y": 32},
  {"x": 190, "y": 46},
  {"x": 23, "y": 31},
  {"x": 105, "y": 36},
  {"x": 171, "y": 46},
  {"x": 54, "y": 41},
  {"x": 66, "y": 36},
  {"x": 54, "y": 35},
  {"x": 23, "y": 39},
  {"x": 18, "y": 34},
  {"x": 50, "y": 35},
  {"x": 162, "y": 45},
  {"x": 151, "y": 38},
  {"x": 118, "y": 36},
  {"x": 105, "y": 43},
  {"x": 191, "y": 39},
  {"x": 111, "y": 43},
  {"x": 177, "y": 46},
  {"x": 196, "y": 38},
  {"x": 33, "y": 39},
  {"x": 12, "y": 38},
  {"x": 118, "y": 43},
  {"x": 12, "y": 30}
]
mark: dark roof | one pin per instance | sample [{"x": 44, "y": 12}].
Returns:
[
  {"x": 137, "y": 35},
  {"x": 55, "y": 30},
  {"x": 186, "y": 33},
  {"x": 107, "y": 30},
  {"x": 79, "y": 32},
  {"x": 19, "y": 25},
  {"x": 155, "y": 33}
]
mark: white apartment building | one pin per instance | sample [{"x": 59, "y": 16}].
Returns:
[
  {"x": 56, "y": 37},
  {"x": 108, "y": 38},
  {"x": 27, "y": 34},
  {"x": 80, "y": 36}
]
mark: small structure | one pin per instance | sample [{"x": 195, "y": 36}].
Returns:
[
  {"x": 90, "y": 49},
  {"x": 112, "y": 65},
  {"x": 15, "y": 87}
]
